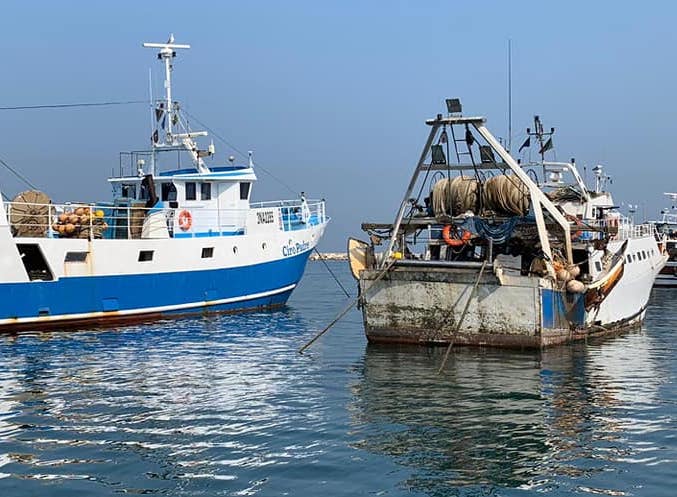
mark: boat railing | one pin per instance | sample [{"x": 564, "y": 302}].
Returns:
[
  {"x": 132, "y": 220},
  {"x": 428, "y": 232},
  {"x": 617, "y": 228}
]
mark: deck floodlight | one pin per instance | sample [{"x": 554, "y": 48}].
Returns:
[
  {"x": 454, "y": 105},
  {"x": 438, "y": 156},
  {"x": 487, "y": 155}
]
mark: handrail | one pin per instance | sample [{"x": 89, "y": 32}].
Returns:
[{"x": 130, "y": 221}]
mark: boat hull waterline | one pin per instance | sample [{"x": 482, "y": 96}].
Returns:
[
  {"x": 110, "y": 298},
  {"x": 423, "y": 304}
]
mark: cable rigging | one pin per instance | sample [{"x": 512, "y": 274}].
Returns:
[{"x": 74, "y": 105}]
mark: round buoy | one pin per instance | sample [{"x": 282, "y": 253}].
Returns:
[{"x": 575, "y": 286}]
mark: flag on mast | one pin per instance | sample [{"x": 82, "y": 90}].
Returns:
[{"x": 526, "y": 144}]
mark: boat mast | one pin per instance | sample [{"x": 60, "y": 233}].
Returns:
[
  {"x": 509, "y": 96},
  {"x": 152, "y": 119},
  {"x": 166, "y": 54}
]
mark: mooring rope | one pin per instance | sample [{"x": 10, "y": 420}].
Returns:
[
  {"x": 349, "y": 306},
  {"x": 460, "y": 320},
  {"x": 331, "y": 272}
]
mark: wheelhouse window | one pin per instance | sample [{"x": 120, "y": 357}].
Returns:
[
  {"x": 128, "y": 191},
  {"x": 191, "y": 192},
  {"x": 244, "y": 191},
  {"x": 206, "y": 191},
  {"x": 168, "y": 192}
]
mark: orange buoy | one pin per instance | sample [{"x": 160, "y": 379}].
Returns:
[
  {"x": 185, "y": 220},
  {"x": 458, "y": 239}
]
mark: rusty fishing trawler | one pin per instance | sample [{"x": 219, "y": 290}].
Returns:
[{"x": 493, "y": 252}]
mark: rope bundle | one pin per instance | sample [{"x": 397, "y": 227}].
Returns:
[
  {"x": 502, "y": 194},
  {"x": 506, "y": 194},
  {"x": 455, "y": 196}
]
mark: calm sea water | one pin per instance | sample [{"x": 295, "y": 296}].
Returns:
[{"x": 225, "y": 406}]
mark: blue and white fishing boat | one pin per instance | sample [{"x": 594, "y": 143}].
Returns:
[{"x": 179, "y": 237}]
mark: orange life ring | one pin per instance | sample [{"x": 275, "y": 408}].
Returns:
[
  {"x": 456, "y": 241},
  {"x": 185, "y": 220}
]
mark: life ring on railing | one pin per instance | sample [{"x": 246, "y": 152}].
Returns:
[
  {"x": 185, "y": 220},
  {"x": 458, "y": 239}
]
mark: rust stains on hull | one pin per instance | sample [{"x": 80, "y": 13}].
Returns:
[
  {"x": 417, "y": 337},
  {"x": 411, "y": 306},
  {"x": 113, "y": 318}
]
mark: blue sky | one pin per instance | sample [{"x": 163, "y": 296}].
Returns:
[{"x": 332, "y": 96}]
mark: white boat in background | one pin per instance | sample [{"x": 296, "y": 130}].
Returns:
[
  {"x": 667, "y": 227},
  {"x": 177, "y": 238},
  {"x": 498, "y": 254}
]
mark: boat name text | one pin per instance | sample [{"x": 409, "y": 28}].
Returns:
[{"x": 294, "y": 248}]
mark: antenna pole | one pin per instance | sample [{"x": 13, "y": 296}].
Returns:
[
  {"x": 509, "y": 95},
  {"x": 168, "y": 89},
  {"x": 152, "y": 118},
  {"x": 167, "y": 53}
]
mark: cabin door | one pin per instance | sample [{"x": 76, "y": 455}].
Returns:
[{"x": 231, "y": 219}]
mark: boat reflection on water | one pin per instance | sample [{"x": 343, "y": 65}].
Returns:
[
  {"x": 503, "y": 418},
  {"x": 189, "y": 400}
]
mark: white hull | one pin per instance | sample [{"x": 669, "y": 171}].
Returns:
[{"x": 628, "y": 301}]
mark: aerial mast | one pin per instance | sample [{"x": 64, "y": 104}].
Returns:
[{"x": 166, "y": 54}]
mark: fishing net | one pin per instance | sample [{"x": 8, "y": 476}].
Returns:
[
  {"x": 454, "y": 196},
  {"x": 502, "y": 195},
  {"x": 506, "y": 194}
]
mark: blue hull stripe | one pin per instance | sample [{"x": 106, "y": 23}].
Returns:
[
  {"x": 559, "y": 310},
  {"x": 267, "y": 284}
]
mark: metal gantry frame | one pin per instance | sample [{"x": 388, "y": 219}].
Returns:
[{"x": 539, "y": 200}]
